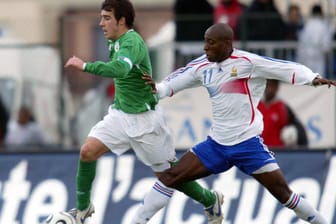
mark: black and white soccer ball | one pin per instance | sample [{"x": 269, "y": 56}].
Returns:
[{"x": 60, "y": 218}]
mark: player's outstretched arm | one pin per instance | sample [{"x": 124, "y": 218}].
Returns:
[
  {"x": 75, "y": 62},
  {"x": 318, "y": 81}
]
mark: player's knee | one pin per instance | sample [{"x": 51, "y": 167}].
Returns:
[
  {"x": 169, "y": 178},
  {"x": 86, "y": 153}
]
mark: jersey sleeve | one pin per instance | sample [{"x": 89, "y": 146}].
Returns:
[
  {"x": 121, "y": 64},
  {"x": 113, "y": 69},
  {"x": 179, "y": 80},
  {"x": 286, "y": 71}
]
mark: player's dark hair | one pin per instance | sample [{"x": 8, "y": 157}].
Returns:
[{"x": 121, "y": 8}]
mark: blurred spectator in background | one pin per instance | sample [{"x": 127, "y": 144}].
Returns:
[
  {"x": 315, "y": 41},
  {"x": 281, "y": 127},
  {"x": 294, "y": 22},
  {"x": 229, "y": 11},
  {"x": 192, "y": 18},
  {"x": 294, "y": 134},
  {"x": 4, "y": 117},
  {"x": 24, "y": 131},
  {"x": 261, "y": 21}
]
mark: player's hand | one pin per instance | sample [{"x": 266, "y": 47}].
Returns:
[
  {"x": 149, "y": 81},
  {"x": 318, "y": 81},
  {"x": 74, "y": 62}
]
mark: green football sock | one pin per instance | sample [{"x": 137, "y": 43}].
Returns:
[
  {"x": 195, "y": 191},
  {"x": 86, "y": 173}
]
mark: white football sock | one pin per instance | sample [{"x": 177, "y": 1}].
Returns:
[
  {"x": 157, "y": 198},
  {"x": 304, "y": 210}
]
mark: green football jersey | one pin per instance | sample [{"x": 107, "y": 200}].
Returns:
[{"x": 129, "y": 60}]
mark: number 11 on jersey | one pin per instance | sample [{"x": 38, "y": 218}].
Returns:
[{"x": 207, "y": 75}]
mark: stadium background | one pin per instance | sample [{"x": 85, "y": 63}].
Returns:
[{"x": 36, "y": 36}]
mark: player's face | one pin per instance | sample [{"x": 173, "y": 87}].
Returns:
[
  {"x": 109, "y": 25},
  {"x": 216, "y": 49}
]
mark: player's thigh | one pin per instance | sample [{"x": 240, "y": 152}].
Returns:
[
  {"x": 111, "y": 133},
  {"x": 192, "y": 167},
  {"x": 188, "y": 168},
  {"x": 155, "y": 150},
  {"x": 252, "y": 156},
  {"x": 152, "y": 140},
  {"x": 92, "y": 149},
  {"x": 213, "y": 155}
]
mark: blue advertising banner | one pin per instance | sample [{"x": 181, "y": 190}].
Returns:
[{"x": 34, "y": 185}]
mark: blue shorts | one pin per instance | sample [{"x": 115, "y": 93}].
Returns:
[{"x": 248, "y": 156}]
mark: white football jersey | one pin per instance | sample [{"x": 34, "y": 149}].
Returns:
[{"x": 235, "y": 87}]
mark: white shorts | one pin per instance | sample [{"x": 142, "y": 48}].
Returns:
[{"x": 146, "y": 133}]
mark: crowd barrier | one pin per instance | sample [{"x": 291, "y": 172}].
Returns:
[{"x": 33, "y": 185}]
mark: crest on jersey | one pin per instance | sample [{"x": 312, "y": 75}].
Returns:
[
  {"x": 116, "y": 46},
  {"x": 234, "y": 71}
]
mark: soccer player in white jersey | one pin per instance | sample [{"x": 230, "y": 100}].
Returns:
[{"x": 235, "y": 81}]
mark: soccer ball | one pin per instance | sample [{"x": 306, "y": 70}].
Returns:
[{"x": 60, "y": 218}]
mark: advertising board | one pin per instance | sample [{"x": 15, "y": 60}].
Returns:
[{"x": 34, "y": 185}]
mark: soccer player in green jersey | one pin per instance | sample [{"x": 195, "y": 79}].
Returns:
[{"x": 133, "y": 121}]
